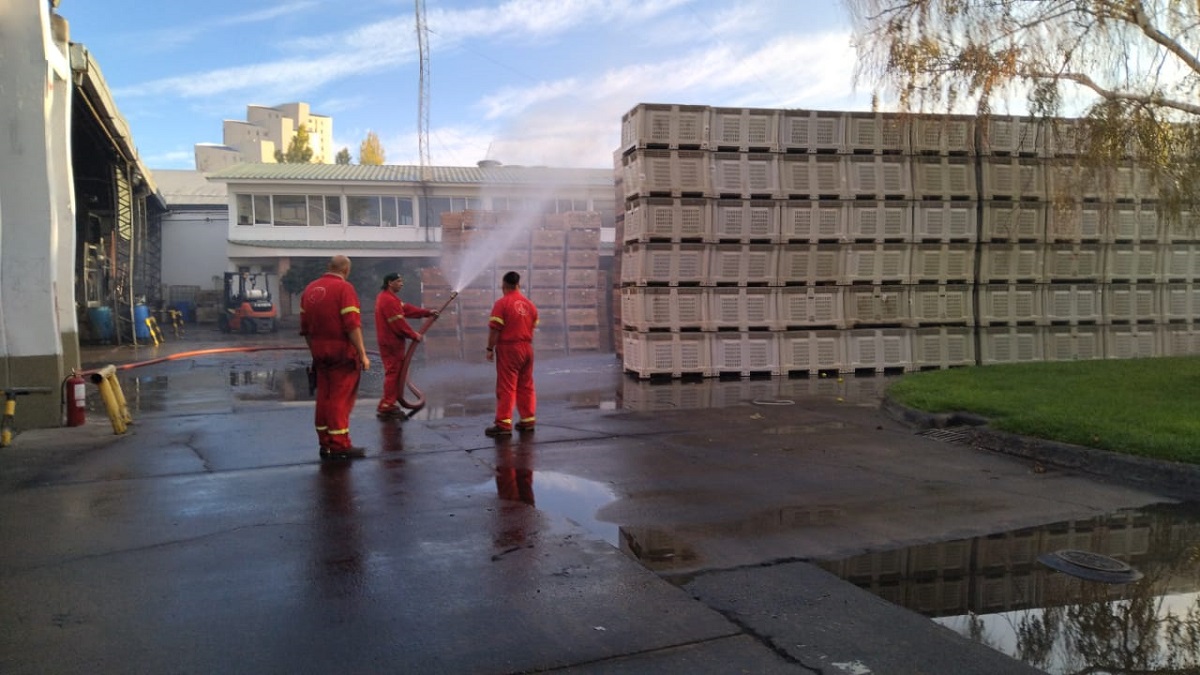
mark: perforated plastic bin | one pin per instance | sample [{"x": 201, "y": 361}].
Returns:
[
  {"x": 813, "y": 176},
  {"x": 1132, "y": 341},
  {"x": 943, "y": 347},
  {"x": 744, "y": 129},
  {"x": 667, "y": 218},
  {"x": 941, "y": 304},
  {"x": 943, "y": 134},
  {"x": 1181, "y": 302},
  {"x": 1013, "y": 178},
  {"x": 879, "y": 349},
  {"x": 1180, "y": 262},
  {"x": 952, "y": 262},
  {"x": 813, "y": 221},
  {"x": 1180, "y": 339},
  {"x": 745, "y": 175},
  {"x": 879, "y": 176},
  {"x": 742, "y": 309},
  {"x": 1011, "y": 304},
  {"x": 667, "y": 354},
  {"x": 673, "y": 173},
  {"x": 1073, "y": 303},
  {"x": 745, "y": 220},
  {"x": 876, "y": 220},
  {"x": 1073, "y": 262},
  {"x": 1133, "y": 303},
  {"x": 811, "y": 306},
  {"x": 876, "y": 304},
  {"x": 809, "y": 264},
  {"x": 665, "y": 126},
  {"x": 1010, "y": 263},
  {"x": 1010, "y": 135},
  {"x": 812, "y": 131},
  {"x": 1011, "y": 344},
  {"x": 877, "y": 133},
  {"x": 653, "y": 308},
  {"x": 664, "y": 264},
  {"x": 1134, "y": 222},
  {"x": 744, "y": 354},
  {"x": 1075, "y": 222},
  {"x": 944, "y": 178},
  {"x": 1181, "y": 230},
  {"x": 945, "y": 221},
  {"x": 743, "y": 264},
  {"x": 1014, "y": 221},
  {"x": 875, "y": 263},
  {"x": 1062, "y": 137},
  {"x": 1132, "y": 262}
]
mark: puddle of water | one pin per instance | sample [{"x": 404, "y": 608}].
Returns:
[
  {"x": 558, "y": 494},
  {"x": 994, "y": 591}
]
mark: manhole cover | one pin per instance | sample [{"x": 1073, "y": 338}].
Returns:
[{"x": 1090, "y": 566}]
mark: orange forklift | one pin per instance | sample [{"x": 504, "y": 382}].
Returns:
[{"x": 248, "y": 307}]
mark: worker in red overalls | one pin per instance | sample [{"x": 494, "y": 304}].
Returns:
[
  {"x": 510, "y": 345},
  {"x": 391, "y": 330},
  {"x": 331, "y": 323}
]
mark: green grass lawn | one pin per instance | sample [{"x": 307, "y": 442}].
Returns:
[{"x": 1146, "y": 407}]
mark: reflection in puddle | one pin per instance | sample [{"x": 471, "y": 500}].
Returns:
[
  {"x": 562, "y": 495},
  {"x": 993, "y": 590}
]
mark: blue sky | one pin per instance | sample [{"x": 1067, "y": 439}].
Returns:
[{"x": 520, "y": 81}]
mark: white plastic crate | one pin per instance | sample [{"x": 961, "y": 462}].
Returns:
[
  {"x": 1180, "y": 262},
  {"x": 745, "y": 175},
  {"x": 744, "y": 129},
  {"x": 667, "y": 264},
  {"x": 1009, "y": 135},
  {"x": 745, "y": 220},
  {"x": 1071, "y": 262},
  {"x": 671, "y": 354},
  {"x": 877, "y": 133},
  {"x": 1011, "y": 344},
  {"x": 1134, "y": 223},
  {"x": 1181, "y": 302},
  {"x": 878, "y": 176},
  {"x": 810, "y": 307},
  {"x": 1180, "y": 339},
  {"x": 812, "y": 131},
  {"x": 744, "y": 354},
  {"x": 651, "y": 125},
  {"x": 875, "y": 263},
  {"x": 1077, "y": 221},
  {"x": 943, "y": 263},
  {"x": 945, "y": 221},
  {"x": 814, "y": 221},
  {"x": 879, "y": 349},
  {"x": 873, "y": 220},
  {"x": 812, "y": 351},
  {"x": 1014, "y": 178},
  {"x": 673, "y": 173},
  {"x": 1062, "y": 137},
  {"x": 1014, "y": 221},
  {"x": 1133, "y": 303},
  {"x": 812, "y": 176},
  {"x": 1011, "y": 304},
  {"x": 941, "y": 304},
  {"x": 665, "y": 218},
  {"x": 743, "y": 309},
  {"x": 943, "y": 347},
  {"x": 1132, "y": 262},
  {"x": 943, "y": 134},
  {"x": 1073, "y": 303},
  {"x": 673, "y": 395},
  {"x": 875, "y": 305},
  {"x": 650, "y": 308},
  {"x": 743, "y": 264},
  {"x": 1132, "y": 341},
  {"x": 809, "y": 264},
  {"x": 944, "y": 178},
  {"x": 1181, "y": 230}
]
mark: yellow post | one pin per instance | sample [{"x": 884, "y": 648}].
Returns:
[
  {"x": 105, "y": 380},
  {"x": 10, "y": 411}
]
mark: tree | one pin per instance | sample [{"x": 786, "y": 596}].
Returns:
[
  {"x": 370, "y": 151},
  {"x": 1133, "y": 65},
  {"x": 343, "y": 156},
  {"x": 299, "y": 151}
]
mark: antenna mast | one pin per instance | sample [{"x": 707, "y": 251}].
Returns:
[{"x": 423, "y": 93}]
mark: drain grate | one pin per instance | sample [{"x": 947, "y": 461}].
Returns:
[{"x": 960, "y": 435}]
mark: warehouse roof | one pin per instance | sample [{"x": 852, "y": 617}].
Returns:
[{"x": 397, "y": 173}]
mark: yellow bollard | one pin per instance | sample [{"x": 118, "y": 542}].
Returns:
[
  {"x": 105, "y": 380},
  {"x": 10, "y": 411}
]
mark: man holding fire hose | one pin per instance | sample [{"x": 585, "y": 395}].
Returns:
[{"x": 392, "y": 330}]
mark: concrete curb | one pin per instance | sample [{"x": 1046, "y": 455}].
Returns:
[{"x": 1174, "y": 478}]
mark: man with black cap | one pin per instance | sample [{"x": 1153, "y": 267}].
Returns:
[{"x": 391, "y": 329}]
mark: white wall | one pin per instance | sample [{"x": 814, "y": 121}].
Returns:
[{"x": 194, "y": 247}]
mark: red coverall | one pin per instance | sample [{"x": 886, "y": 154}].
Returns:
[
  {"x": 391, "y": 330},
  {"x": 328, "y": 312},
  {"x": 515, "y": 317}
]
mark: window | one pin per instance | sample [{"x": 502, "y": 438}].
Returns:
[
  {"x": 291, "y": 210},
  {"x": 245, "y": 210},
  {"x": 324, "y": 210},
  {"x": 262, "y": 209},
  {"x": 364, "y": 211}
]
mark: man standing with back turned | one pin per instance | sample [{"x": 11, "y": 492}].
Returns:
[
  {"x": 391, "y": 330},
  {"x": 510, "y": 345},
  {"x": 331, "y": 323}
]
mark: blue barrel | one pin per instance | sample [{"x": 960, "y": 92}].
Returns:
[
  {"x": 101, "y": 319},
  {"x": 186, "y": 309},
  {"x": 140, "y": 314}
]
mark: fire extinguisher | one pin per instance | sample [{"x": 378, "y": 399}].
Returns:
[{"x": 76, "y": 396}]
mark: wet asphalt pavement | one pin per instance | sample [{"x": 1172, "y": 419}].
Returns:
[{"x": 641, "y": 528}]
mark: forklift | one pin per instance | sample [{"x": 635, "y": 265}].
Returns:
[{"x": 248, "y": 308}]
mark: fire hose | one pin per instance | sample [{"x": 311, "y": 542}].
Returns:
[{"x": 419, "y": 403}]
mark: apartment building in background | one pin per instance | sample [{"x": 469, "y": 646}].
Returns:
[{"x": 265, "y": 130}]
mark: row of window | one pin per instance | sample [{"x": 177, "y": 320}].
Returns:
[{"x": 376, "y": 210}]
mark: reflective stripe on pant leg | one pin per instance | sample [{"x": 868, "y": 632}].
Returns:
[{"x": 344, "y": 379}]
